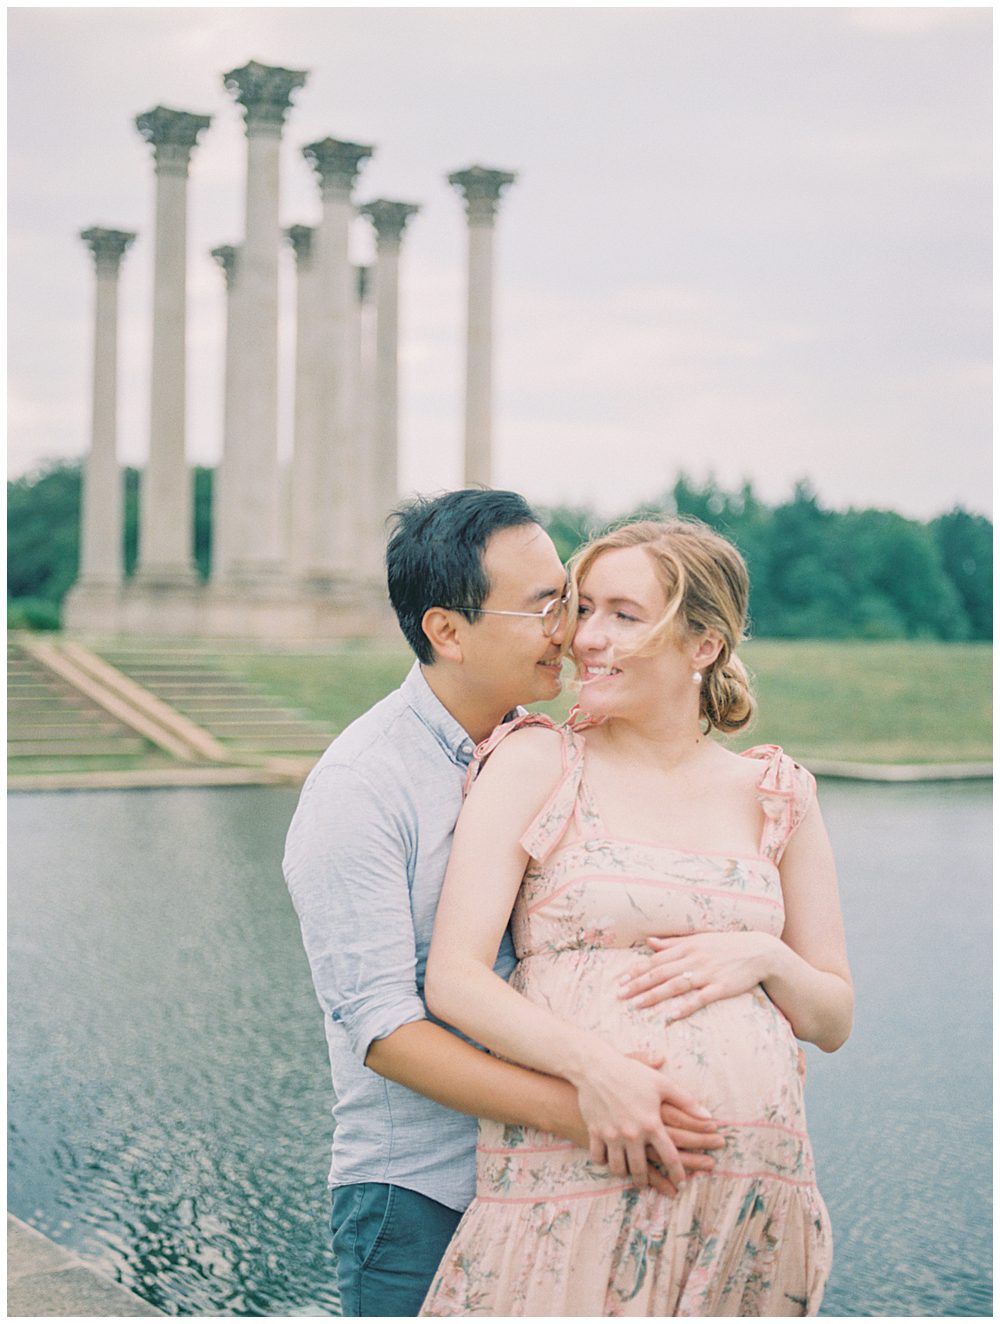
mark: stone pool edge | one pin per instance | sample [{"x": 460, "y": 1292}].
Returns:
[
  {"x": 290, "y": 772},
  {"x": 46, "y": 1280}
]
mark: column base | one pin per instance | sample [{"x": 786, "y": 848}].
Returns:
[
  {"x": 158, "y": 606},
  {"x": 93, "y": 605},
  {"x": 166, "y": 579},
  {"x": 283, "y": 610},
  {"x": 298, "y": 610}
]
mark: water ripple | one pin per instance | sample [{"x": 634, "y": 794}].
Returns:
[{"x": 169, "y": 1093}]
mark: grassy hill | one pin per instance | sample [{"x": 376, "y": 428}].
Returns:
[{"x": 893, "y": 702}]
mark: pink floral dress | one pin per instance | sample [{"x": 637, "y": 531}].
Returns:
[{"x": 549, "y": 1233}]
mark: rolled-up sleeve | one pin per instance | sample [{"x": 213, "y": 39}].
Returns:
[{"x": 346, "y": 869}]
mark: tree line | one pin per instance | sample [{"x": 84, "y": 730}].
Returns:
[
  {"x": 826, "y": 574},
  {"x": 815, "y": 573}
]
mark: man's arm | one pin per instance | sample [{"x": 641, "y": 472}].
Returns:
[
  {"x": 345, "y": 865},
  {"x": 436, "y": 1063}
]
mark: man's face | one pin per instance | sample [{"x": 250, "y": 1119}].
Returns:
[{"x": 508, "y": 659}]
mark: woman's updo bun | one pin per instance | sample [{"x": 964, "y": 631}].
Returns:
[
  {"x": 727, "y": 701},
  {"x": 705, "y": 581}
]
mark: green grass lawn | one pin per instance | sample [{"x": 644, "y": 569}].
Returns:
[{"x": 895, "y": 702}]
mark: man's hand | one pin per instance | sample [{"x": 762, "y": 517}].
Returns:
[{"x": 693, "y": 1137}]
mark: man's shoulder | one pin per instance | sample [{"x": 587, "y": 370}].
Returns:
[{"x": 370, "y": 744}]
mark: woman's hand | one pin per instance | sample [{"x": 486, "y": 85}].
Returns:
[
  {"x": 686, "y": 974},
  {"x": 622, "y": 1102}
]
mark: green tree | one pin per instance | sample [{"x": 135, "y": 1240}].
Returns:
[
  {"x": 897, "y": 581},
  {"x": 965, "y": 543},
  {"x": 43, "y": 529},
  {"x": 807, "y": 596},
  {"x": 43, "y": 533},
  {"x": 569, "y": 527}
]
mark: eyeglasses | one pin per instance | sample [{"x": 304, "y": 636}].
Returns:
[{"x": 551, "y": 616}]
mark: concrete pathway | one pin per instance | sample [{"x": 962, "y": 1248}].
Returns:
[{"x": 43, "y": 1281}]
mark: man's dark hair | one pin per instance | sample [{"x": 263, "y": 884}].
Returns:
[{"x": 435, "y": 555}]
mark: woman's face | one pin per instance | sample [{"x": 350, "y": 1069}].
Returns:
[{"x": 620, "y": 601}]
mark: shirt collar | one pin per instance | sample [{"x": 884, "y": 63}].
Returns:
[{"x": 449, "y": 733}]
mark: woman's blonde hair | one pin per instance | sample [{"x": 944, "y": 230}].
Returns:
[{"x": 707, "y": 587}]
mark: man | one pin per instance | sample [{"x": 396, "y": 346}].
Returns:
[{"x": 480, "y": 594}]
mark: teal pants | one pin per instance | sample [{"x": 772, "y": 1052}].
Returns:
[{"x": 388, "y": 1242}]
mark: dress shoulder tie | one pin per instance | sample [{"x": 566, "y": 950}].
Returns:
[
  {"x": 549, "y": 825},
  {"x": 785, "y": 791}
]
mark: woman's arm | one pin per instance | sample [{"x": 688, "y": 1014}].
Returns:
[
  {"x": 804, "y": 972},
  {"x": 620, "y": 1098}
]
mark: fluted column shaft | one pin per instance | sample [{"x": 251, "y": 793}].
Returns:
[
  {"x": 224, "y": 534},
  {"x": 102, "y": 498},
  {"x": 166, "y": 524},
  {"x": 389, "y": 219},
  {"x": 253, "y": 549},
  {"x": 362, "y": 373},
  {"x": 337, "y": 164},
  {"x": 479, "y": 356},
  {"x": 482, "y": 189},
  {"x": 305, "y": 546}
]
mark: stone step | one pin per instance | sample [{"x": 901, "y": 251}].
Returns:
[
  {"x": 224, "y": 704},
  {"x": 76, "y": 748},
  {"x": 37, "y": 688},
  {"x": 200, "y": 685},
  {"x": 58, "y": 730},
  {"x": 58, "y": 710},
  {"x": 58, "y": 705},
  {"x": 280, "y": 744},
  {"x": 224, "y": 730},
  {"x": 49, "y": 719}
]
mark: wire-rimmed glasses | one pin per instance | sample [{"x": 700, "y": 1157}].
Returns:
[{"x": 551, "y": 616}]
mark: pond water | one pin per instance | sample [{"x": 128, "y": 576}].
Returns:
[{"x": 169, "y": 1093}]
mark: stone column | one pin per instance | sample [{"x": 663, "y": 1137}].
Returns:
[
  {"x": 481, "y": 189},
  {"x": 102, "y": 505},
  {"x": 252, "y": 496},
  {"x": 389, "y": 220},
  {"x": 337, "y": 164},
  {"x": 223, "y": 534},
  {"x": 369, "y": 559},
  {"x": 305, "y": 547},
  {"x": 166, "y": 518}
]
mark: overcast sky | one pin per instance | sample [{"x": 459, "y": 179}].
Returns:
[{"x": 748, "y": 241}]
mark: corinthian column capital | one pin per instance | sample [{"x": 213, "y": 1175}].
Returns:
[
  {"x": 300, "y": 239},
  {"x": 227, "y": 256},
  {"x": 482, "y": 189},
  {"x": 107, "y": 246},
  {"x": 264, "y": 91},
  {"x": 388, "y": 218},
  {"x": 337, "y": 163},
  {"x": 172, "y": 134}
]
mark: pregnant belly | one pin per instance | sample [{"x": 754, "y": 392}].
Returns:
[{"x": 737, "y": 1057}]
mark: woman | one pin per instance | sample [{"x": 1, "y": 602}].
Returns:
[{"x": 672, "y": 899}]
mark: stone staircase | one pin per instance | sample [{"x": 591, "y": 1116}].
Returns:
[
  {"x": 205, "y": 687},
  {"x": 51, "y": 725}
]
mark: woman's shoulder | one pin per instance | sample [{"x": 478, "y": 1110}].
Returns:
[{"x": 531, "y": 745}]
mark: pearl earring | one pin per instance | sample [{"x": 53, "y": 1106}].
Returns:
[{"x": 696, "y": 677}]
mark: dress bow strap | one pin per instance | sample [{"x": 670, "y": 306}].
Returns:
[
  {"x": 546, "y": 830},
  {"x": 785, "y": 791}
]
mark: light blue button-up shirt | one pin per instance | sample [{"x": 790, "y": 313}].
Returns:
[{"x": 364, "y": 862}]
